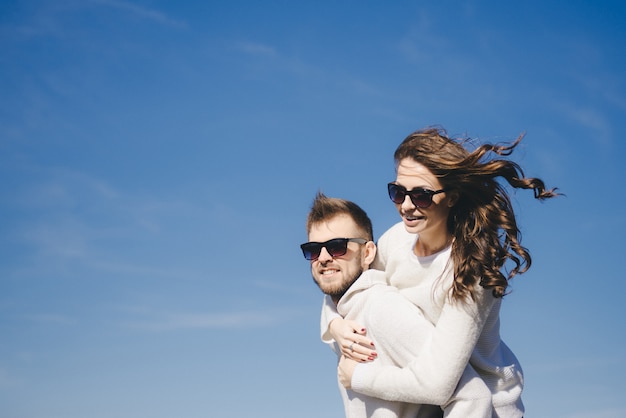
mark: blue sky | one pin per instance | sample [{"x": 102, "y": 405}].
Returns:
[{"x": 157, "y": 161}]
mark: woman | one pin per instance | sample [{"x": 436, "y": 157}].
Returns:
[{"x": 453, "y": 254}]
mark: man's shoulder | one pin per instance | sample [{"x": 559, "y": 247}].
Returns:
[
  {"x": 370, "y": 284},
  {"x": 377, "y": 291}
]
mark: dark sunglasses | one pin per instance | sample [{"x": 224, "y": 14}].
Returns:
[
  {"x": 422, "y": 198},
  {"x": 336, "y": 247}
]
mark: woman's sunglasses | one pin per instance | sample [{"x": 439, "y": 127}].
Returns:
[
  {"x": 422, "y": 198},
  {"x": 336, "y": 247}
]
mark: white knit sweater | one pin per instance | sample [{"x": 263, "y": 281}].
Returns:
[
  {"x": 400, "y": 332},
  {"x": 368, "y": 301},
  {"x": 463, "y": 332}
]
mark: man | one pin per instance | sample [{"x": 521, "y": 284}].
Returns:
[{"x": 340, "y": 250}]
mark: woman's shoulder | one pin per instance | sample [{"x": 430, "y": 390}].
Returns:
[
  {"x": 394, "y": 239},
  {"x": 397, "y": 233}
]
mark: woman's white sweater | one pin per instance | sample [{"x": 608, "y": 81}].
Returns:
[{"x": 464, "y": 331}]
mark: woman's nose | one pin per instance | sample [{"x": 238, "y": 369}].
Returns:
[{"x": 407, "y": 203}]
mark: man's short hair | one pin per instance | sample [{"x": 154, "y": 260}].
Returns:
[{"x": 325, "y": 208}]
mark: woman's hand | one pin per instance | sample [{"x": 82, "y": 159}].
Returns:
[
  {"x": 350, "y": 336},
  {"x": 345, "y": 371}
]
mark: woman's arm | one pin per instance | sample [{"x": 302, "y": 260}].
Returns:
[
  {"x": 437, "y": 369},
  {"x": 350, "y": 336}
]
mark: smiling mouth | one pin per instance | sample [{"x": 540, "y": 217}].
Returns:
[
  {"x": 412, "y": 217},
  {"x": 329, "y": 272}
]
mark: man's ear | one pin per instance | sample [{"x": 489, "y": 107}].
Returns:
[{"x": 370, "y": 253}]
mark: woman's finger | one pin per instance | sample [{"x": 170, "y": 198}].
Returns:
[{"x": 358, "y": 351}]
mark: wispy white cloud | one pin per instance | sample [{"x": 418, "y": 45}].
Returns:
[
  {"x": 143, "y": 12},
  {"x": 44, "y": 21},
  {"x": 422, "y": 41},
  {"x": 48, "y": 18},
  {"x": 270, "y": 58},
  {"x": 590, "y": 119},
  {"x": 62, "y": 239},
  {"x": 256, "y": 48},
  {"x": 607, "y": 87},
  {"x": 77, "y": 223},
  {"x": 610, "y": 412},
  {"x": 52, "y": 319},
  {"x": 275, "y": 286},
  {"x": 62, "y": 188},
  {"x": 9, "y": 381},
  {"x": 581, "y": 363},
  {"x": 164, "y": 321}
]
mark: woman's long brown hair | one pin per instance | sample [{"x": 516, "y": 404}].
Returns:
[{"x": 482, "y": 221}]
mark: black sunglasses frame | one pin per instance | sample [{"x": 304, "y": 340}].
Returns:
[
  {"x": 421, "y": 198},
  {"x": 336, "y": 247}
]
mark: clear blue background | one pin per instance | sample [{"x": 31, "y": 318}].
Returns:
[{"x": 158, "y": 159}]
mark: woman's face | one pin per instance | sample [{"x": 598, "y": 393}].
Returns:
[{"x": 430, "y": 222}]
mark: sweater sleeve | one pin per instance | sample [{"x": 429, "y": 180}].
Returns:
[
  {"x": 435, "y": 372},
  {"x": 398, "y": 327},
  {"x": 329, "y": 312},
  {"x": 394, "y": 239}
]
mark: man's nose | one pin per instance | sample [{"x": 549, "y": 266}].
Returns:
[{"x": 324, "y": 255}]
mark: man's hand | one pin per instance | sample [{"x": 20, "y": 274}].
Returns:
[{"x": 346, "y": 370}]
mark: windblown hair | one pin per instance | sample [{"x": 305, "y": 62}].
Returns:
[
  {"x": 325, "y": 208},
  {"x": 482, "y": 221}
]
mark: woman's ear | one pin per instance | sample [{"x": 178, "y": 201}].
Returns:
[{"x": 453, "y": 197}]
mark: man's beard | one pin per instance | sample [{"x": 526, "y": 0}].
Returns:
[{"x": 337, "y": 293}]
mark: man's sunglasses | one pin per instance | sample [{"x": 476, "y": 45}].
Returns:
[
  {"x": 422, "y": 198},
  {"x": 336, "y": 247}
]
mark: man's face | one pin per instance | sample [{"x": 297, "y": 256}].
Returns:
[{"x": 334, "y": 275}]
